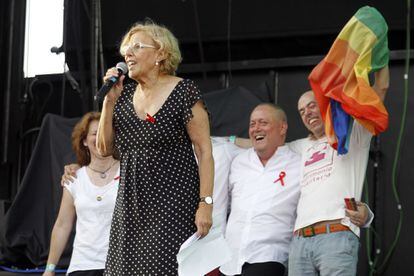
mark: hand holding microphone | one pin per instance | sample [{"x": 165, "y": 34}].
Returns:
[{"x": 113, "y": 80}]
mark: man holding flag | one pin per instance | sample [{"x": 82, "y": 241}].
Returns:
[{"x": 342, "y": 113}]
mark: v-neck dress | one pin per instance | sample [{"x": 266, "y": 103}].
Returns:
[{"x": 159, "y": 186}]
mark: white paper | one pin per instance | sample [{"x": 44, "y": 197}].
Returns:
[
  {"x": 195, "y": 237},
  {"x": 198, "y": 257}
]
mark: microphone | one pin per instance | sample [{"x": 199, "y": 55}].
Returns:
[
  {"x": 122, "y": 70},
  {"x": 56, "y": 50}
]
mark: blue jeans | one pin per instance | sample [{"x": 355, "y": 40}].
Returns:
[{"x": 325, "y": 255}]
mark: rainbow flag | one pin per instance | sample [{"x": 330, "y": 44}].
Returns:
[{"x": 340, "y": 81}]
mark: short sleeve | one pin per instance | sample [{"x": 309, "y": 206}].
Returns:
[
  {"x": 74, "y": 186},
  {"x": 71, "y": 190},
  {"x": 191, "y": 95}
]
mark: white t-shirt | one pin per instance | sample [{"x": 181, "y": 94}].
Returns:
[
  {"x": 327, "y": 178},
  {"x": 223, "y": 154},
  {"x": 93, "y": 221},
  {"x": 260, "y": 225}
]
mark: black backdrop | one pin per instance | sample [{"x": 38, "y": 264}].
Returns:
[{"x": 257, "y": 30}]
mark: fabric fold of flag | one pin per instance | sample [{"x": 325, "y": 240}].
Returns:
[{"x": 341, "y": 80}]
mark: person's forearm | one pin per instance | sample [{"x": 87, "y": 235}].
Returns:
[
  {"x": 206, "y": 172},
  {"x": 382, "y": 82},
  {"x": 60, "y": 236},
  {"x": 243, "y": 142},
  {"x": 105, "y": 135}
]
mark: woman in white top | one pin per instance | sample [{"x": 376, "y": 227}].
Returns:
[{"x": 90, "y": 199}]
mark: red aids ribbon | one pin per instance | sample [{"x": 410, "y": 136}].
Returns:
[
  {"x": 282, "y": 175},
  {"x": 150, "y": 119},
  {"x": 118, "y": 177}
]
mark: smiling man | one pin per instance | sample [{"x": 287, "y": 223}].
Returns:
[
  {"x": 326, "y": 240},
  {"x": 264, "y": 190}
]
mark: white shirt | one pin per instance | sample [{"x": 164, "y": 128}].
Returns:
[
  {"x": 327, "y": 178},
  {"x": 93, "y": 221},
  {"x": 263, "y": 211},
  {"x": 223, "y": 154}
]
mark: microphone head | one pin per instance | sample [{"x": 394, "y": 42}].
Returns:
[
  {"x": 56, "y": 50},
  {"x": 122, "y": 67}
]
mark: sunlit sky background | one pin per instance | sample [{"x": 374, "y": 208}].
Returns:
[{"x": 44, "y": 29}]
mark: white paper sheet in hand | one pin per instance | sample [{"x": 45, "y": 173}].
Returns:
[{"x": 197, "y": 256}]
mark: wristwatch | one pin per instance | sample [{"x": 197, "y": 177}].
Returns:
[{"x": 207, "y": 199}]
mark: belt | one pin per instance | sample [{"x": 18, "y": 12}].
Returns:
[{"x": 311, "y": 231}]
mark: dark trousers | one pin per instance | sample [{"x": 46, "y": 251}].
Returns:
[
  {"x": 263, "y": 269},
  {"x": 97, "y": 272}
]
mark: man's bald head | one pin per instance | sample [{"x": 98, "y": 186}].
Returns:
[{"x": 279, "y": 113}]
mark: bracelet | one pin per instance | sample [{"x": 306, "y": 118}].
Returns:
[
  {"x": 232, "y": 139},
  {"x": 50, "y": 267}
]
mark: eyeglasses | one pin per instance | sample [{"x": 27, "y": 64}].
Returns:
[{"x": 135, "y": 47}]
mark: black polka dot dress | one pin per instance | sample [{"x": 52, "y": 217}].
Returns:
[{"x": 159, "y": 187}]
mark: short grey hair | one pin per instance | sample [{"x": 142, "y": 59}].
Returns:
[{"x": 279, "y": 112}]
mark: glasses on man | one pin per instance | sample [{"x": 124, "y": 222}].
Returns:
[{"x": 135, "y": 47}]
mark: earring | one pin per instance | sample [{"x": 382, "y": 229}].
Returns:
[{"x": 157, "y": 63}]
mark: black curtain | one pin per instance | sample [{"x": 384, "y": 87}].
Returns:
[{"x": 26, "y": 228}]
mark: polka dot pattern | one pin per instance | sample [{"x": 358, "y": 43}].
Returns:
[{"x": 159, "y": 188}]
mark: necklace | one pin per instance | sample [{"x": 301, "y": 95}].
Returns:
[
  {"x": 100, "y": 196},
  {"x": 104, "y": 173}
]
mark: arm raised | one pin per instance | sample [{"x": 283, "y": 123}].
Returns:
[{"x": 382, "y": 82}]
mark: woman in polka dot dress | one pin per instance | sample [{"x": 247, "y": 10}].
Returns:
[{"x": 153, "y": 125}]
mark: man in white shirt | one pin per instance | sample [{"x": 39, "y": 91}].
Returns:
[
  {"x": 325, "y": 241},
  {"x": 264, "y": 190}
]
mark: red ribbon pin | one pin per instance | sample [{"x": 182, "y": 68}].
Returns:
[
  {"x": 150, "y": 119},
  {"x": 282, "y": 175}
]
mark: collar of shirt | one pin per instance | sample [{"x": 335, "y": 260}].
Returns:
[{"x": 279, "y": 153}]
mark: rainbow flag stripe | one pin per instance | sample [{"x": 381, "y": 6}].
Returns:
[{"x": 341, "y": 80}]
